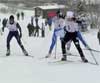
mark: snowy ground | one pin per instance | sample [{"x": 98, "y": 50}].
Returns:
[{"x": 20, "y": 69}]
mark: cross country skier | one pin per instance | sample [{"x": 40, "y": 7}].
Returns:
[
  {"x": 71, "y": 34},
  {"x": 13, "y": 32},
  {"x": 79, "y": 36},
  {"x": 59, "y": 24}
]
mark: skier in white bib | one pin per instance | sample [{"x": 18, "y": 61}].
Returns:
[
  {"x": 14, "y": 31},
  {"x": 71, "y": 35}
]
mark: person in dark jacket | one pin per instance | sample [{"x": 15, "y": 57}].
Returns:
[
  {"x": 43, "y": 30},
  {"x": 18, "y": 16},
  {"x": 30, "y": 28}
]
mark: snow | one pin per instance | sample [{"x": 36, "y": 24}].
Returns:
[{"x": 18, "y": 68}]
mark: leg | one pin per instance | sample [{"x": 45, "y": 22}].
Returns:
[
  {"x": 20, "y": 43},
  {"x": 63, "y": 49},
  {"x": 54, "y": 39},
  {"x": 81, "y": 38},
  {"x": 34, "y": 31},
  {"x": 63, "y": 43},
  {"x": 76, "y": 42},
  {"x": 29, "y": 31},
  {"x": 10, "y": 35},
  {"x": 69, "y": 45}
]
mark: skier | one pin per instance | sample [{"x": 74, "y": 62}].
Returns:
[
  {"x": 79, "y": 36},
  {"x": 30, "y": 28},
  {"x": 71, "y": 34},
  {"x": 18, "y": 16},
  {"x": 22, "y": 15},
  {"x": 13, "y": 32},
  {"x": 59, "y": 24},
  {"x": 98, "y": 36},
  {"x": 32, "y": 20},
  {"x": 43, "y": 30}
]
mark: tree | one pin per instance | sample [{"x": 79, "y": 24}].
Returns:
[
  {"x": 94, "y": 12},
  {"x": 81, "y": 7}
]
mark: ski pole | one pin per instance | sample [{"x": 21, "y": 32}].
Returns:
[
  {"x": 93, "y": 57},
  {"x": 92, "y": 50},
  {"x": 88, "y": 48},
  {"x": 55, "y": 50}
]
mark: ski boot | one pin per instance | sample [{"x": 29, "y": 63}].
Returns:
[
  {"x": 25, "y": 53},
  {"x": 48, "y": 55},
  {"x": 84, "y": 60},
  {"x": 64, "y": 58},
  {"x": 8, "y": 53}
]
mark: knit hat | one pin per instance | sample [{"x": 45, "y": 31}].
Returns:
[{"x": 69, "y": 14}]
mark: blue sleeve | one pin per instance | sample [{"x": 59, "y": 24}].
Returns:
[{"x": 81, "y": 38}]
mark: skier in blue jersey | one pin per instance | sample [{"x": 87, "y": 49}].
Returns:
[{"x": 59, "y": 24}]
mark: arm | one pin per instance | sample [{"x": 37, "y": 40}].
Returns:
[
  {"x": 4, "y": 24},
  {"x": 18, "y": 26},
  {"x": 3, "y": 29}
]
